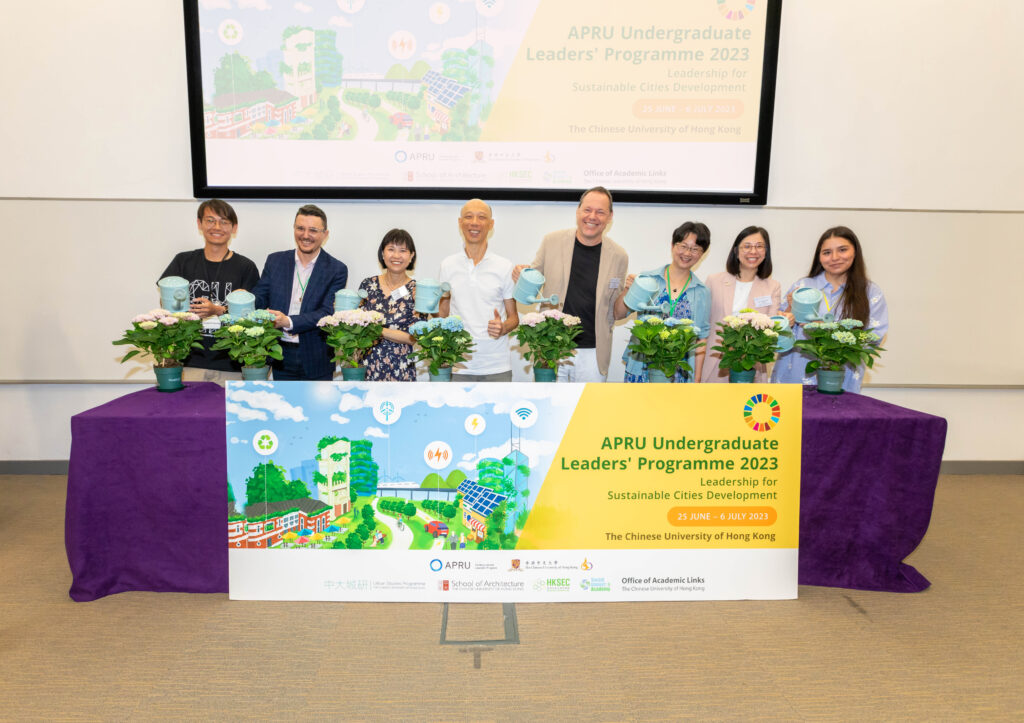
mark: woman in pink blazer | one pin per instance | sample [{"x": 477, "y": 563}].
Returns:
[{"x": 745, "y": 284}]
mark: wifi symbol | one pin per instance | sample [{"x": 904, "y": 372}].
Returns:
[{"x": 524, "y": 413}]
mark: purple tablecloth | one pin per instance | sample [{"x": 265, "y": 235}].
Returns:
[
  {"x": 867, "y": 484},
  {"x": 147, "y": 493}
]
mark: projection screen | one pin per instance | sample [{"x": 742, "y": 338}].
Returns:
[{"x": 659, "y": 100}]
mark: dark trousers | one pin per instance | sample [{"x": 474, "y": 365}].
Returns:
[{"x": 290, "y": 369}]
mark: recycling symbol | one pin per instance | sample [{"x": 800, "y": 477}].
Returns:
[
  {"x": 230, "y": 31},
  {"x": 264, "y": 442}
]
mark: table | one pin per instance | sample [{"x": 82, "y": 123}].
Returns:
[{"x": 147, "y": 493}]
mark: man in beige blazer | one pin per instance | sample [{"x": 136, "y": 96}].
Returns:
[{"x": 586, "y": 270}]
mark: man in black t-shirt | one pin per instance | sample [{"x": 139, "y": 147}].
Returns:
[
  {"x": 586, "y": 269},
  {"x": 213, "y": 272}
]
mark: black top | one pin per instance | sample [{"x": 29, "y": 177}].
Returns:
[
  {"x": 213, "y": 280},
  {"x": 581, "y": 293}
]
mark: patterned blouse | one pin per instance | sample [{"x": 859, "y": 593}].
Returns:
[{"x": 388, "y": 361}]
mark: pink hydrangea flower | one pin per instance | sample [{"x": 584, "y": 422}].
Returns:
[{"x": 532, "y": 319}]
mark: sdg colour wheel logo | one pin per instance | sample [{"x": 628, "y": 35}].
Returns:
[
  {"x": 735, "y": 9},
  {"x": 761, "y": 412}
]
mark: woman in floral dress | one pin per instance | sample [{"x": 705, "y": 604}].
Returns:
[{"x": 392, "y": 293}]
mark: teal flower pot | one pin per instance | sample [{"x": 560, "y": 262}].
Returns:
[
  {"x": 444, "y": 374},
  {"x": 168, "y": 379},
  {"x": 830, "y": 382},
  {"x": 544, "y": 374},
  {"x": 738, "y": 376},
  {"x": 656, "y": 376},
  {"x": 353, "y": 374},
  {"x": 255, "y": 374}
]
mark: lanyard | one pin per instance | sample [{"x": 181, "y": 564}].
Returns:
[
  {"x": 668, "y": 288},
  {"x": 302, "y": 286}
]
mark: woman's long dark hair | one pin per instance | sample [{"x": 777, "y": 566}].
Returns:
[
  {"x": 732, "y": 261},
  {"x": 854, "y": 300}
]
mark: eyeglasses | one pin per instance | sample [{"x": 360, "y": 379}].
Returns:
[
  {"x": 312, "y": 229},
  {"x": 751, "y": 247},
  {"x": 692, "y": 250},
  {"x": 211, "y": 222}
]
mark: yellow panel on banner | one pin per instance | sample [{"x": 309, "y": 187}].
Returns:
[{"x": 635, "y": 470}]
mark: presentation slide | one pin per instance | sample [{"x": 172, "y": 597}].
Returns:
[{"x": 658, "y": 96}]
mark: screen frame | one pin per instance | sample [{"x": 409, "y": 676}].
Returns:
[{"x": 201, "y": 188}]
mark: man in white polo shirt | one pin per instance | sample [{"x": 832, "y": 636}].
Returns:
[{"x": 481, "y": 294}]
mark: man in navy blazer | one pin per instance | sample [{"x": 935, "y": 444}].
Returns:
[{"x": 303, "y": 283}]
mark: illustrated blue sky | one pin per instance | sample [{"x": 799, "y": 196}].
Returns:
[
  {"x": 302, "y": 413},
  {"x": 364, "y": 28}
]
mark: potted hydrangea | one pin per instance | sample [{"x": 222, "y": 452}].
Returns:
[
  {"x": 443, "y": 342},
  {"x": 832, "y": 345},
  {"x": 351, "y": 333},
  {"x": 664, "y": 345},
  {"x": 748, "y": 339},
  {"x": 168, "y": 337},
  {"x": 549, "y": 336},
  {"x": 250, "y": 340}
]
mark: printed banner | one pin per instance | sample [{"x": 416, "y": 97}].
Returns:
[{"x": 512, "y": 492}]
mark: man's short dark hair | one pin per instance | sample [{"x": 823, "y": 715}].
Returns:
[
  {"x": 310, "y": 210},
  {"x": 598, "y": 189},
  {"x": 218, "y": 207}
]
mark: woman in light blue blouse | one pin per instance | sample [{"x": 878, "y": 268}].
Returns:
[
  {"x": 686, "y": 295},
  {"x": 838, "y": 270}
]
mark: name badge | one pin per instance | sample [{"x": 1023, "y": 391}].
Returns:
[
  {"x": 613, "y": 283},
  {"x": 762, "y": 301},
  {"x": 400, "y": 293}
]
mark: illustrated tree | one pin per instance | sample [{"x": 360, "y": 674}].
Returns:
[
  {"x": 268, "y": 483},
  {"x": 449, "y": 511},
  {"x": 234, "y": 74},
  {"x": 409, "y": 510},
  {"x": 326, "y": 442}
]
